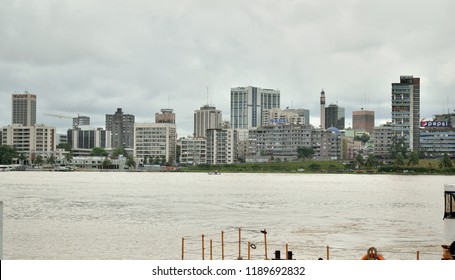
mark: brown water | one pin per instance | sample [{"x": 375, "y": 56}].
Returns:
[{"x": 78, "y": 215}]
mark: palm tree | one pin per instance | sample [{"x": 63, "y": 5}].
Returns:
[
  {"x": 358, "y": 160},
  {"x": 413, "y": 158},
  {"x": 371, "y": 161},
  {"x": 445, "y": 162},
  {"x": 399, "y": 160}
]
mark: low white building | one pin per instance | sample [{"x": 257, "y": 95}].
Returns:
[
  {"x": 193, "y": 151},
  {"x": 155, "y": 140}
]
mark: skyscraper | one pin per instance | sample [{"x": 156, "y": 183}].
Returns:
[
  {"x": 322, "y": 109},
  {"x": 406, "y": 110},
  {"x": 166, "y": 116},
  {"x": 248, "y": 103},
  {"x": 207, "y": 117},
  {"x": 363, "y": 120},
  {"x": 334, "y": 116},
  {"x": 24, "y": 109},
  {"x": 122, "y": 128}
]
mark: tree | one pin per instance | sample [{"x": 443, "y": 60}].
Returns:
[
  {"x": 106, "y": 163},
  {"x": 364, "y": 138},
  {"x": 371, "y": 161},
  {"x": 358, "y": 160},
  {"x": 98, "y": 152},
  {"x": 39, "y": 160},
  {"x": 398, "y": 147},
  {"x": 413, "y": 158},
  {"x": 399, "y": 160},
  {"x": 7, "y": 154},
  {"x": 65, "y": 146},
  {"x": 69, "y": 156},
  {"x": 119, "y": 151},
  {"x": 51, "y": 160},
  {"x": 305, "y": 153},
  {"x": 445, "y": 162},
  {"x": 130, "y": 162}
]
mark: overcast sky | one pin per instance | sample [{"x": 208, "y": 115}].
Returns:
[{"x": 90, "y": 57}]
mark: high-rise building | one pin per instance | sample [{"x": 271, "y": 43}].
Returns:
[
  {"x": 277, "y": 116},
  {"x": 24, "y": 109},
  {"x": 334, "y": 116},
  {"x": 248, "y": 104},
  {"x": 207, "y": 117},
  {"x": 81, "y": 121},
  {"x": 155, "y": 140},
  {"x": 122, "y": 128},
  {"x": 406, "y": 110},
  {"x": 363, "y": 120},
  {"x": 86, "y": 137},
  {"x": 322, "y": 109},
  {"x": 166, "y": 116},
  {"x": 221, "y": 146}
]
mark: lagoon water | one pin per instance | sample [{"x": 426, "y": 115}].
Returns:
[{"x": 138, "y": 215}]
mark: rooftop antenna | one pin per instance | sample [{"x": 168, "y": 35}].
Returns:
[
  {"x": 169, "y": 102},
  {"x": 208, "y": 96}
]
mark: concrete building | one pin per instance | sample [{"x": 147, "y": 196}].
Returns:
[
  {"x": 30, "y": 140},
  {"x": 437, "y": 137},
  {"x": 122, "y": 128},
  {"x": 382, "y": 139},
  {"x": 363, "y": 120},
  {"x": 330, "y": 144},
  {"x": 207, "y": 117},
  {"x": 334, "y": 116},
  {"x": 24, "y": 109},
  {"x": 86, "y": 137},
  {"x": 166, "y": 116},
  {"x": 279, "y": 142},
  {"x": 406, "y": 110},
  {"x": 221, "y": 146},
  {"x": 248, "y": 104},
  {"x": 155, "y": 140},
  {"x": 81, "y": 121},
  {"x": 277, "y": 116},
  {"x": 193, "y": 151}
]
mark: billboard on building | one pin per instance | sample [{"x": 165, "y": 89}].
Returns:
[{"x": 425, "y": 123}]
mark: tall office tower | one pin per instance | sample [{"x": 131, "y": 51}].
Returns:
[
  {"x": 81, "y": 121},
  {"x": 406, "y": 110},
  {"x": 322, "y": 103},
  {"x": 248, "y": 103},
  {"x": 166, "y": 116},
  {"x": 122, "y": 129},
  {"x": 24, "y": 108},
  {"x": 334, "y": 116},
  {"x": 363, "y": 120},
  {"x": 206, "y": 118}
]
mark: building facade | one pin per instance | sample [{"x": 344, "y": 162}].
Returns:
[
  {"x": 122, "y": 128},
  {"x": 221, "y": 146},
  {"x": 383, "y": 139},
  {"x": 155, "y": 140},
  {"x": 81, "y": 121},
  {"x": 248, "y": 104},
  {"x": 30, "y": 140},
  {"x": 165, "y": 116},
  {"x": 322, "y": 109},
  {"x": 24, "y": 109},
  {"x": 406, "y": 110},
  {"x": 277, "y": 116},
  {"x": 86, "y": 137},
  {"x": 334, "y": 116},
  {"x": 363, "y": 120},
  {"x": 207, "y": 117},
  {"x": 193, "y": 151}
]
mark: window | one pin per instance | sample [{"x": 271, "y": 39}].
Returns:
[{"x": 449, "y": 205}]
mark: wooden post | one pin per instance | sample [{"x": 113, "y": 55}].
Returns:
[
  {"x": 240, "y": 244},
  {"x": 203, "y": 247},
  {"x": 1, "y": 230},
  {"x": 265, "y": 243},
  {"x": 287, "y": 250},
  {"x": 222, "y": 245},
  {"x": 183, "y": 248},
  {"x": 211, "y": 255},
  {"x": 418, "y": 255},
  {"x": 249, "y": 250},
  {"x": 328, "y": 252}
]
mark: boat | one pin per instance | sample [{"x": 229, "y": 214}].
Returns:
[
  {"x": 64, "y": 168},
  {"x": 448, "y": 246},
  {"x": 215, "y": 173}
]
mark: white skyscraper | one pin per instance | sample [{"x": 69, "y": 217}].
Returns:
[
  {"x": 206, "y": 118},
  {"x": 248, "y": 103}
]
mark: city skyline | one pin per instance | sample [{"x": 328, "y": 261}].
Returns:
[{"x": 90, "y": 58}]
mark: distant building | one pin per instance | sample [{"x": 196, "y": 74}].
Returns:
[
  {"x": 363, "y": 120},
  {"x": 122, "y": 128},
  {"x": 81, "y": 121},
  {"x": 437, "y": 136},
  {"x": 322, "y": 109},
  {"x": 330, "y": 144},
  {"x": 248, "y": 104},
  {"x": 30, "y": 140},
  {"x": 193, "y": 151},
  {"x": 166, "y": 116},
  {"x": 86, "y": 137},
  {"x": 24, "y": 109},
  {"x": 207, "y": 117},
  {"x": 406, "y": 110},
  {"x": 277, "y": 116},
  {"x": 155, "y": 140},
  {"x": 221, "y": 146},
  {"x": 334, "y": 116},
  {"x": 383, "y": 139}
]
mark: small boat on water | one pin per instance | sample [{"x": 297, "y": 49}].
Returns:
[
  {"x": 64, "y": 168},
  {"x": 215, "y": 173},
  {"x": 448, "y": 246}
]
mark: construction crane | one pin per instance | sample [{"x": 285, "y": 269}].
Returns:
[{"x": 58, "y": 116}]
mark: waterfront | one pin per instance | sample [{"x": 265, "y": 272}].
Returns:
[{"x": 98, "y": 215}]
